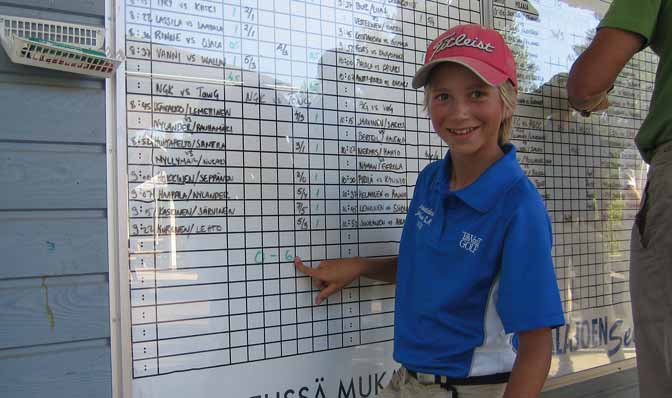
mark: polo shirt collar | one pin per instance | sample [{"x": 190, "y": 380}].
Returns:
[{"x": 488, "y": 188}]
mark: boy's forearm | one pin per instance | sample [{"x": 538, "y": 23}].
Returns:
[
  {"x": 381, "y": 269},
  {"x": 532, "y": 364}
]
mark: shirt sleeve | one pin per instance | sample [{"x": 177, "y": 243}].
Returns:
[
  {"x": 633, "y": 16},
  {"x": 528, "y": 296}
]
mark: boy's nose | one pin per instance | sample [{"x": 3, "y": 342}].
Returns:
[{"x": 460, "y": 109}]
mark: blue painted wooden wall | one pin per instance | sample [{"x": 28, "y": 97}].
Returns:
[{"x": 54, "y": 299}]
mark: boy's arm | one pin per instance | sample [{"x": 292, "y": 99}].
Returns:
[
  {"x": 331, "y": 276},
  {"x": 382, "y": 269},
  {"x": 532, "y": 364}
]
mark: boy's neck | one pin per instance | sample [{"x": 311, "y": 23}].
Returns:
[{"x": 467, "y": 168}]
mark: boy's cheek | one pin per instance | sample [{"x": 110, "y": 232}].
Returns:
[{"x": 436, "y": 124}]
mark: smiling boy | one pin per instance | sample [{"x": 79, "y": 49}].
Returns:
[{"x": 476, "y": 291}]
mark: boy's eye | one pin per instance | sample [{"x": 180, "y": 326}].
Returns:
[
  {"x": 476, "y": 94},
  {"x": 442, "y": 97}
]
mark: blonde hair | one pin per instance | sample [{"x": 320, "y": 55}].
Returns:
[{"x": 509, "y": 96}]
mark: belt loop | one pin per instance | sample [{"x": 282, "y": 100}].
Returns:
[
  {"x": 452, "y": 389},
  {"x": 403, "y": 375}
]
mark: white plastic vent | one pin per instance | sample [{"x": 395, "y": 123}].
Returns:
[{"x": 56, "y": 45}]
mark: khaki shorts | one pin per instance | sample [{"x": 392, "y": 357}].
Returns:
[
  {"x": 403, "y": 385},
  {"x": 651, "y": 279}
]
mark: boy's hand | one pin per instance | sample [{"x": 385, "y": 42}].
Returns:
[{"x": 330, "y": 276}]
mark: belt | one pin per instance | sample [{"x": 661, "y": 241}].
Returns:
[{"x": 428, "y": 378}]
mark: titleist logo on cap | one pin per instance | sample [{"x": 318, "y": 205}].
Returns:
[{"x": 461, "y": 41}]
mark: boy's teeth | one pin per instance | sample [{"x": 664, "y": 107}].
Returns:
[{"x": 462, "y": 131}]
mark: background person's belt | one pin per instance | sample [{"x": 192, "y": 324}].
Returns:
[{"x": 428, "y": 378}]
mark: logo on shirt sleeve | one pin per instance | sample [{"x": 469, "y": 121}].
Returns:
[
  {"x": 470, "y": 242},
  {"x": 424, "y": 216}
]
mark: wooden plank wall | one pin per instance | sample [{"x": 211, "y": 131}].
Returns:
[{"x": 54, "y": 296}]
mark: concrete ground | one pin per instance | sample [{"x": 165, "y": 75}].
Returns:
[{"x": 622, "y": 384}]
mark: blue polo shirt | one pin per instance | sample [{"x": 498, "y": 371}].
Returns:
[{"x": 474, "y": 268}]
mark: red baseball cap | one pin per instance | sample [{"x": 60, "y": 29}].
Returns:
[{"x": 473, "y": 46}]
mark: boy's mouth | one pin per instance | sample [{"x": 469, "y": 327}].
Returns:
[{"x": 463, "y": 131}]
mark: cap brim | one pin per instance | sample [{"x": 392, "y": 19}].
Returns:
[{"x": 484, "y": 71}]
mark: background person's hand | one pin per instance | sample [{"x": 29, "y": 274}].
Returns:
[
  {"x": 604, "y": 104},
  {"x": 330, "y": 276}
]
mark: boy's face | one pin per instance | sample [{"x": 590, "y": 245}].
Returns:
[{"x": 466, "y": 112}]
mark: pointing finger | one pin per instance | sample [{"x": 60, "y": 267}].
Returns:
[{"x": 298, "y": 264}]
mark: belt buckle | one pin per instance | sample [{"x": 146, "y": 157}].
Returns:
[{"x": 425, "y": 378}]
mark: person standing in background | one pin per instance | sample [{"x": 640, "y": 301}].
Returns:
[{"x": 627, "y": 28}]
